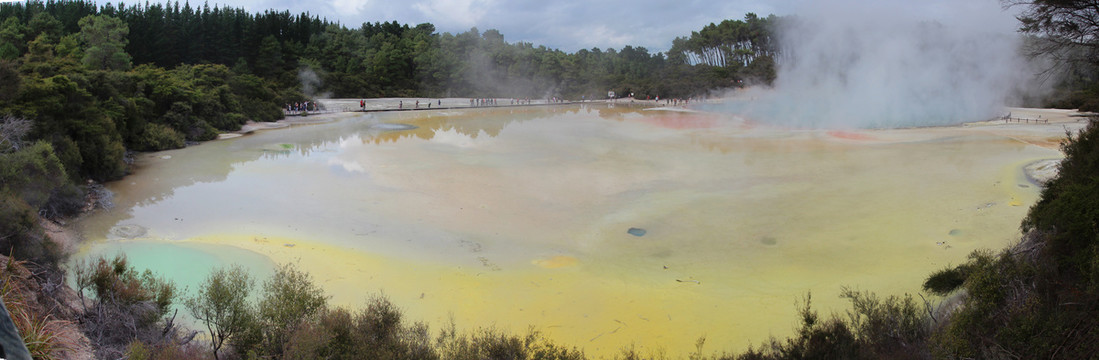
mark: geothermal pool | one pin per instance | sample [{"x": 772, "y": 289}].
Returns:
[{"x": 514, "y": 217}]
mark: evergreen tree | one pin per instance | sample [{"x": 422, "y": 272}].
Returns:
[{"x": 105, "y": 41}]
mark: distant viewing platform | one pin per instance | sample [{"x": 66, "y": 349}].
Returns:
[{"x": 412, "y": 104}]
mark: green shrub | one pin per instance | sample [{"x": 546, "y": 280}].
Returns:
[
  {"x": 289, "y": 298},
  {"x": 892, "y": 328},
  {"x": 158, "y": 137},
  {"x": 945, "y": 281},
  {"x": 22, "y": 237},
  {"x": 33, "y": 173},
  {"x": 128, "y": 305},
  {"x": 66, "y": 200},
  {"x": 140, "y": 350},
  {"x": 327, "y": 336},
  {"x": 221, "y": 306},
  {"x": 1068, "y": 206},
  {"x": 376, "y": 332},
  {"x": 116, "y": 281},
  {"x": 493, "y": 344},
  {"x": 17, "y": 221}
]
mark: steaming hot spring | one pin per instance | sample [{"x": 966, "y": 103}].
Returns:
[{"x": 601, "y": 225}]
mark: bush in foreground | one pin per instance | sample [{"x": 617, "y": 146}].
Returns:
[{"x": 125, "y": 306}]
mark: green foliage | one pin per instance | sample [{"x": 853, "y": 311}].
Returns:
[
  {"x": 141, "y": 350},
  {"x": 18, "y": 225},
  {"x": 116, "y": 281},
  {"x": 381, "y": 334},
  {"x": 327, "y": 336},
  {"x": 1039, "y": 299},
  {"x": 45, "y": 24},
  {"x": 493, "y": 344},
  {"x": 289, "y": 298},
  {"x": 818, "y": 339},
  {"x": 268, "y": 60},
  {"x": 221, "y": 306},
  {"x": 159, "y": 137},
  {"x": 91, "y": 117},
  {"x": 105, "y": 41},
  {"x": 128, "y": 305},
  {"x": 374, "y": 333},
  {"x": 1067, "y": 207},
  {"x": 32, "y": 173},
  {"x": 874, "y": 328},
  {"x": 63, "y": 109},
  {"x": 12, "y": 41},
  {"x": 392, "y": 59},
  {"x": 945, "y": 281},
  {"x": 31, "y": 179},
  {"x": 892, "y": 328},
  {"x": 11, "y": 82},
  {"x": 730, "y": 43},
  {"x": 378, "y": 332}
]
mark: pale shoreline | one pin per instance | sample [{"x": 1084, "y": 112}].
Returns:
[{"x": 337, "y": 108}]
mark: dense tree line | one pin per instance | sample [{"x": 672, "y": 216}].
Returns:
[
  {"x": 389, "y": 59},
  {"x": 90, "y": 103},
  {"x": 729, "y": 42}
]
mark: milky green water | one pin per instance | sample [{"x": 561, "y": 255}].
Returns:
[{"x": 517, "y": 217}]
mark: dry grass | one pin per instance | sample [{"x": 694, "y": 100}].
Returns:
[{"x": 46, "y": 337}]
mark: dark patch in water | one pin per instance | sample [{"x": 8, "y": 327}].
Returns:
[
  {"x": 394, "y": 127},
  {"x": 767, "y": 240},
  {"x": 1024, "y": 186},
  {"x": 636, "y": 231},
  {"x": 129, "y": 231},
  {"x": 955, "y": 232}
]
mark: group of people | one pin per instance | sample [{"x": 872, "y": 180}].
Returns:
[
  {"x": 482, "y": 102},
  {"x": 473, "y": 102},
  {"x": 313, "y": 106},
  {"x": 494, "y": 102},
  {"x": 302, "y": 106},
  {"x": 400, "y": 104},
  {"x": 676, "y": 101}
]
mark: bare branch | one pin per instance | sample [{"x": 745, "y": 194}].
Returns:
[{"x": 12, "y": 132}]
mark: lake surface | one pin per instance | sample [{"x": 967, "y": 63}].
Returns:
[{"x": 601, "y": 226}]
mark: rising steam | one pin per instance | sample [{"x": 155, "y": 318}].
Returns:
[
  {"x": 891, "y": 64},
  {"x": 311, "y": 84}
]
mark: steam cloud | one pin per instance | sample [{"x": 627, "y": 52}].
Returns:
[
  {"x": 311, "y": 83},
  {"x": 884, "y": 64}
]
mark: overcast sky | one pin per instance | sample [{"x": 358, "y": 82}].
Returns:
[{"x": 571, "y": 25}]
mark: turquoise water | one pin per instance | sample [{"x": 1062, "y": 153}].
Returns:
[{"x": 187, "y": 264}]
